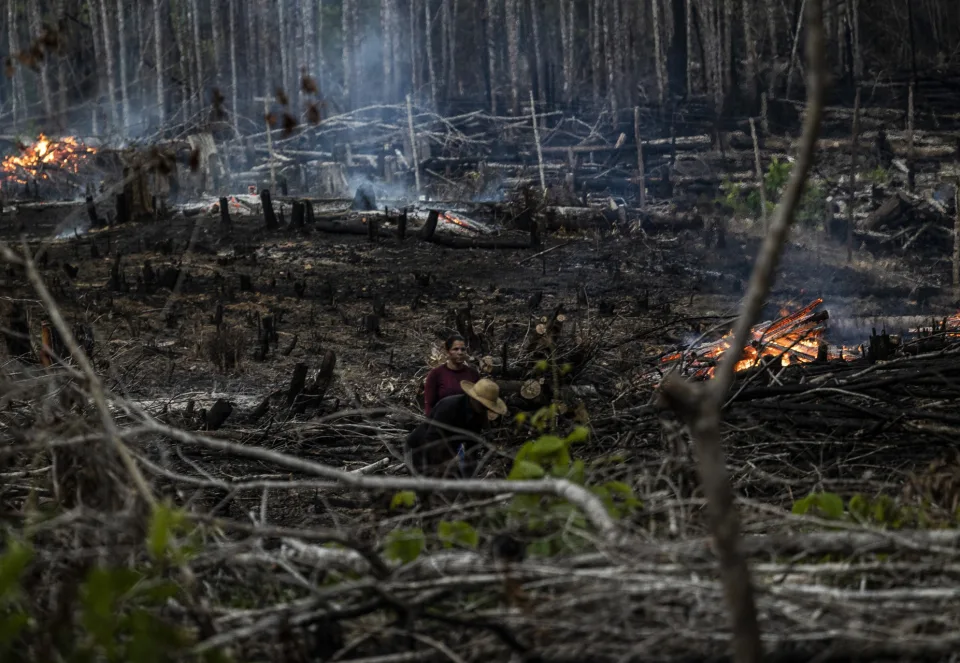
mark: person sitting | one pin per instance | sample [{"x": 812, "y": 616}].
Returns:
[
  {"x": 444, "y": 380},
  {"x": 452, "y": 431}
]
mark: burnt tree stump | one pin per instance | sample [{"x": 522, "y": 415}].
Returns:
[
  {"x": 297, "y": 382},
  {"x": 95, "y": 221},
  {"x": 269, "y": 215},
  {"x": 246, "y": 284},
  {"x": 314, "y": 393},
  {"x": 308, "y": 211},
  {"x": 430, "y": 227},
  {"x": 298, "y": 215},
  {"x": 402, "y": 226},
  {"x": 217, "y": 415},
  {"x": 225, "y": 222}
]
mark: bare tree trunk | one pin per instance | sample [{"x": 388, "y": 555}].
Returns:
[
  {"x": 854, "y": 149},
  {"x": 33, "y": 8},
  {"x": 108, "y": 58},
  {"x": 690, "y": 55},
  {"x": 216, "y": 39},
  {"x": 452, "y": 45},
  {"x": 446, "y": 36},
  {"x": 512, "y": 19},
  {"x": 595, "y": 48},
  {"x": 61, "y": 81},
  {"x": 537, "y": 49},
  {"x": 772, "y": 39},
  {"x": 566, "y": 29},
  {"x": 253, "y": 81},
  {"x": 431, "y": 71},
  {"x": 492, "y": 52},
  {"x": 17, "y": 83},
  {"x": 178, "y": 20},
  {"x": 386, "y": 29},
  {"x": 95, "y": 30},
  {"x": 346, "y": 38},
  {"x": 608, "y": 58},
  {"x": 282, "y": 21},
  {"x": 658, "y": 53},
  {"x": 414, "y": 46},
  {"x": 234, "y": 100},
  {"x": 198, "y": 58},
  {"x": 728, "y": 46},
  {"x": 620, "y": 49},
  {"x": 124, "y": 92},
  {"x": 750, "y": 46},
  {"x": 857, "y": 52},
  {"x": 357, "y": 33}
]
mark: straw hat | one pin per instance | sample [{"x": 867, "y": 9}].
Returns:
[{"x": 487, "y": 393}]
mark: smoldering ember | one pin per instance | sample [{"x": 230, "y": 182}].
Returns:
[{"x": 507, "y": 330}]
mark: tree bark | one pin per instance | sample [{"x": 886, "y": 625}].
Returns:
[
  {"x": 18, "y": 97},
  {"x": 512, "y": 20},
  {"x": 108, "y": 58},
  {"x": 234, "y": 95},
  {"x": 386, "y": 39},
  {"x": 198, "y": 69},
  {"x": 658, "y": 53},
  {"x": 33, "y": 7},
  {"x": 346, "y": 39},
  {"x": 595, "y": 63},
  {"x": 750, "y": 46},
  {"x": 609, "y": 58},
  {"x": 124, "y": 91},
  {"x": 216, "y": 38},
  {"x": 535, "y": 15},
  {"x": 431, "y": 70}
]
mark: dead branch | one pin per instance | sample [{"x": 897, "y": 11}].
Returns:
[{"x": 700, "y": 408}]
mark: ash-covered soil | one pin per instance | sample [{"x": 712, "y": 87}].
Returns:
[{"x": 645, "y": 294}]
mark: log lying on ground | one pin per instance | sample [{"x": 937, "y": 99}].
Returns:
[{"x": 428, "y": 233}]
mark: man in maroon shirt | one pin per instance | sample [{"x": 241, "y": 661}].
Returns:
[{"x": 444, "y": 380}]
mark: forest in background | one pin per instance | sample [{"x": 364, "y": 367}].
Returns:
[{"x": 124, "y": 69}]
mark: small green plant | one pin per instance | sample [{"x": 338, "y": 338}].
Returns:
[
  {"x": 878, "y": 176},
  {"x": 880, "y": 511}
]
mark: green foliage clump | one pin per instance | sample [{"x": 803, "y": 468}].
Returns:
[
  {"x": 811, "y": 210},
  {"x": 119, "y": 609},
  {"x": 881, "y": 511}
]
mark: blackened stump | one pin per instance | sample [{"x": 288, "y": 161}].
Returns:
[{"x": 269, "y": 216}]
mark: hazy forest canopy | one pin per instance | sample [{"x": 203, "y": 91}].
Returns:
[{"x": 96, "y": 64}]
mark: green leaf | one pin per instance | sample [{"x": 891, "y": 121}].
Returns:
[
  {"x": 541, "y": 365},
  {"x": 11, "y": 625},
  {"x": 801, "y": 507},
  {"x": 625, "y": 492},
  {"x": 163, "y": 524},
  {"x": 540, "y": 548},
  {"x": 859, "y": 506},
  {"x": 405, "y": 545},
  {"x": 544, "y": 447},
  {"x": 577, "y": 472},
  {"x": 405, "y": 498},
  {"x": 578, "y": 434},
  {"x": 830, "y": 505},
  {"x": 524, "y": 470},
  {"x": 457, "y": 533},
  {"x": 12, "y": 565}
]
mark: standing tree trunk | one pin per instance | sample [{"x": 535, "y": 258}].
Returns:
[
  {"x": 386, "y": 28},
  {"x": 566, "y": 46},
  {"x": 33, "y": 7},
  {"x": 234, "y": 100},
  {"x": 750, "y": 46},
  {"x": 609, "y": 59},
  {"x": 108, "y": 58},
  {"x": 124, "y": 92},
  {"x": 690, "y": 57},
  {"x": 512, "y": 19},
  {"x": 195, "y": 21},
  {"x": 19, "y": 106},
  {"x": 658, "y": 53},
  {"x": 595, "y": 48},
  {"x": 216, "y": 40},
  {"x": 282, "y": 21},
  {"x": 857, "y": 51},
  {"x": 728, "y": 46},
  {"x": 95, "y": 29},
  {"x": 537, "y": 49},
  {"x": 771, "y": 13},
  {"x": 346, "y": 39},
  {"x": 61, "y": 80},
  {"x": 446, "y": 36},
  {"x": 492, "y": 53},
  {"x": 431, "y": 70}
]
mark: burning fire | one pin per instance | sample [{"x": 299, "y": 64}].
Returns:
[
  {"x": 46, "y": 154},
  {"x": 795, "y": 337},
  {"x": 450, "y": 217}
]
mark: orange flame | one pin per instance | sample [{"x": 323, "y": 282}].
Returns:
[
  {"x": 801, "y": 344},
  {"x": 33, "y": 161},
  {"x": 450, "y": 217}
]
